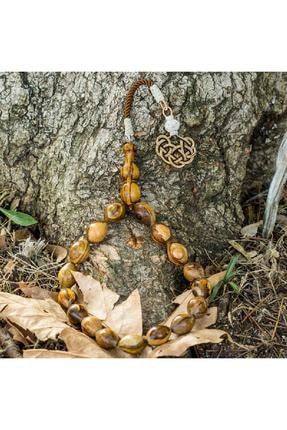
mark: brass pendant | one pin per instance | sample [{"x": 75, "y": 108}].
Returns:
[{"x": 177, "y": 154}]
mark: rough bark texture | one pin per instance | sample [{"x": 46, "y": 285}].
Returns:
[{"x": 60, "y": 151}]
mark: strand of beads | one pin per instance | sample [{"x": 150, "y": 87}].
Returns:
[{"x": 177, "y": 253}]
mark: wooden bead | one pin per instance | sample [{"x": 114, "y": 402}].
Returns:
[
  {"x": 193, "y": 271},
  {"x": 197, "y": 306},
  {"x": 90, "y": 325},
  {"x": 76, "y": 313},
  {"x": 201, "y": 288},
  {"x": 132, "y": 344},
  {"x": 158, "y": 335},
  {"x": 130, "y": 193},
  {"x": 115, "y": 211},
  {"x": 106, "y": 338},
  {"x": 97, "y": 231},
  {"x": 65, "y": 276},
  {"x": 79, "y": 251},
  {"x": 177, "y": 253},
  {"x": 161, "y": 233},
  {"x": 66, "y": 297},
  {"x": 182, "y": 323},
  {"x": 144, "y": 213},
  {"x": 130, "y": 170}
]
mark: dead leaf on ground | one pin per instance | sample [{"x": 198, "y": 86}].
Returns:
[
  {"x": 9, "y": 267},
  {"x": 78, "y": 343},
  {"x": 45, "y": 318},
  {"x": 21, "y": 234},
  {"x": 217, "y": 277},
  {"x": 47, "y": 353},
  {"x": 17, "y": 335},
  {"x": 126, "y": 318},
  {"x": 98, "y": 298},
  {"x": 239, "y": 248},
  {"x": 178, "y": 346},
  {"x": 57, "y": 251},
  {"x": 33, "y": 291},
  {"x": 251, "y": 229},
  {"x": 3, "y": 244}
]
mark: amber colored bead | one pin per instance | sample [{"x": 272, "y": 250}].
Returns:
[
  {"x": 106, "y": 338},
  {"x": 115, "y": 211},
  {"x": 76, "y": 313},
  {"x": 177, "y": 253},
  {"x": 132, "y": 344},
  {"x": 197, "y": 306},
  {"x": 144, "y": 213},
  {"x": 182, "y": 324},
  {"x": 66, "y": 297},
  {"x": 193, "y": 271},
  {"x": 97, "y": 231},
  {"x": 65, "y": 276},
  {"x": 161, "y": 233},
  {"x": 158, "y": 335},
  {"x": 130, "y": 170},
  {"x": 130, "y": 193},
  {"x": 129, "y": 148},
  {"x": 201, "y": 288},
  {"x": 90, "y": 325},
  {"x": 79, "y": 251}
]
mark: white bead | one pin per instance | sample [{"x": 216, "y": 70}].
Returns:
[
  {"x": 129, "y": 133},
  {"x": 171, "y": 125},
  {"x": 156, "y": 92}
]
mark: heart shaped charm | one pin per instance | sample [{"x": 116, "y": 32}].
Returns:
[{"x": 177, "y": 154}]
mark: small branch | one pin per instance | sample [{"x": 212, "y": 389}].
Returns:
[
  {"x": 8, "y": 347},
  {"x": 275, "y": 190}
]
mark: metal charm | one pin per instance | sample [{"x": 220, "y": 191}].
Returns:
[{"x": 177, "y": 154}]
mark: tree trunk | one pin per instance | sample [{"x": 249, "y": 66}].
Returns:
[{"x": 61, "y": 149}]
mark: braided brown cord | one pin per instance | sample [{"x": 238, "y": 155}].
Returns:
[{"x": 130, "y": 95}]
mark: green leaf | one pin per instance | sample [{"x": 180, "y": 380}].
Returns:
[
  {"x": 215, "y": 291},
  {"x": 229, "y": 271},
  {"x": 19, "y": 218}
]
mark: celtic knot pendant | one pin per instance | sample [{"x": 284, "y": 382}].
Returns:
[{"x": 177, "y": 154}]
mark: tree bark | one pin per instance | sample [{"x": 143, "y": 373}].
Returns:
[{"x": 61, "y": 150}]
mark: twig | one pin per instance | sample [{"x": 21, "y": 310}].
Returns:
[
  {"x": 275, "y": 190},
  {"x": 278, "y": 318}
]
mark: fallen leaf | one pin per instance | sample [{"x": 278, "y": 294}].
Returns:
[
  {"x": 98, "y": 298},
  {"x": 78, "y": 343},
  {"x": 21, "y": 234},
  {"x": 17, "y": 335},
  {"x": 251, "y": 229},
  {"x": 3, "y": 244},
  {"x": 46, "y": 353},
  {"x": 33, "y": 291},
  {"x": 9, "y": 267},
  {"x": 179, "y": 299},
  {"x": 239, "y": 248},
  {"x": 126, "y": 318},
  {"x": 57, "y": 251},
  {"x": 45, "y": 318},
  {"x": 178, "y": 346},
  {"x": 135, "y": 242},
  {"x": 217, "y": 277}
]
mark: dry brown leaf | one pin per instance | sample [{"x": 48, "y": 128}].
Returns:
[
  {"x": 78, "y": 343},
  {"x": 21, "y": 234},
  {"x": 126, "y": 318},
  {"x": 178, "y": 346},
  {"x": 179, "y": 299},
  {"x": 17, "y": 335},
  {"x": 3, "y": 244},
  {"x": 9, "y": 267},
  {"x": 217, "y": 277},
  {"x": 98, "y": 298},
  {"x": 251, "y": 229},
  {"x": 57, "y": 251},
  {"x": 46, "y": 353},
  {"x": 33, "y": 291},
  {"x": 44, "y": 318}
]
